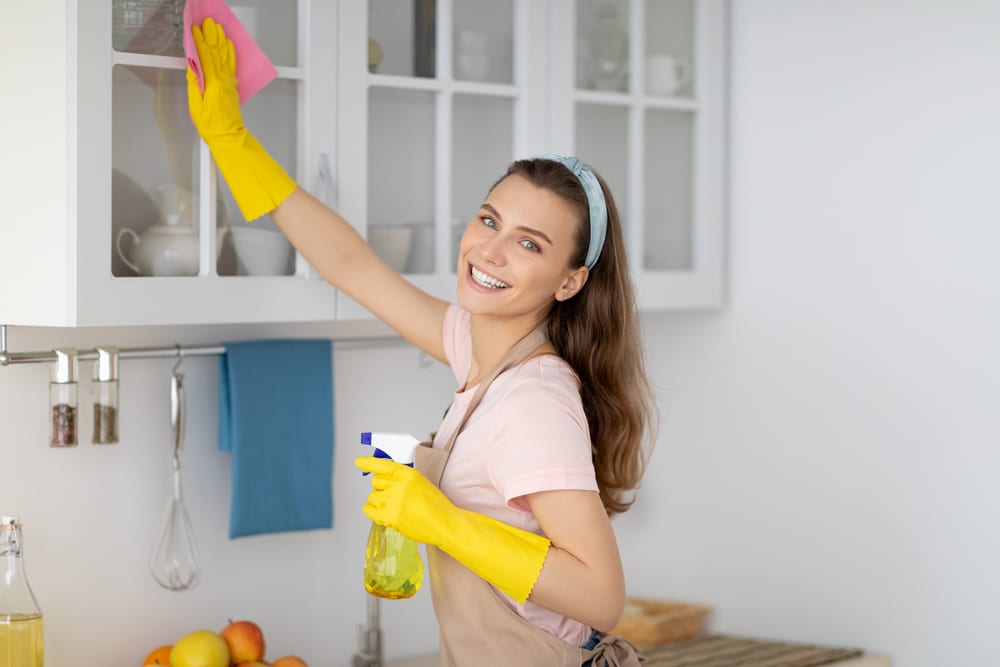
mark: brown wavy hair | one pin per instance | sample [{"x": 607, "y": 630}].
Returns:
[{"x": 597, "y": 333}]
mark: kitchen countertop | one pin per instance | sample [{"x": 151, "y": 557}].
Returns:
[
  {"x": 866, "y": 660},
  {"x": 726, "y": 650},
  {"x": 863, "y": 661}
]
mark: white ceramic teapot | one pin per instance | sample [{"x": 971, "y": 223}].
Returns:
[
  {"x": 166, "y": 249},
  {"x": 170, "y": 247}
]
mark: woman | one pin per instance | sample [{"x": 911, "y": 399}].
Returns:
[{"x": 543, "y": 440}]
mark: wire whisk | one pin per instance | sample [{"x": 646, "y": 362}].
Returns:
[{"x": 174, "y": 559}]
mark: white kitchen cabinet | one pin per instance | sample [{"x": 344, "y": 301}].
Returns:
[
  {"x": 517, "y": 78},
  {"x": 95, "y": 123},
  {"x": 639, "y": 91}
]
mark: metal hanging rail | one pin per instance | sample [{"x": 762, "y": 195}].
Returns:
[{"x": 42, "y": 356}]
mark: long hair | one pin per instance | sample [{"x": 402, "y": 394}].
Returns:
[{"x": 597, "y": 333}]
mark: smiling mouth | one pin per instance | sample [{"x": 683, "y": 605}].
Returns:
[{"x": 485, "y": 280}]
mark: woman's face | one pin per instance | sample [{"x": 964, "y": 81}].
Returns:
[{"x": 514, "y": 256}]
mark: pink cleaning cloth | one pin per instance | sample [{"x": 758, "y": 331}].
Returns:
[{"x": 253, "y": 68}]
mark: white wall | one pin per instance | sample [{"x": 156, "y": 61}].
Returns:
[
  {"x": 826, "y": 470},
  {"x": 823, "y": 471},
  {"x": 92, "y": 514}
]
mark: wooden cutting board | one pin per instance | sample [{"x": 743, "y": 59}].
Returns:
[{"x": 727, "y": 651}]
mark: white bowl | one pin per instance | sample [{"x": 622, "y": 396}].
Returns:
[
  {"x": 391, "y": 243},
  {"x": 261, "y": 252}
]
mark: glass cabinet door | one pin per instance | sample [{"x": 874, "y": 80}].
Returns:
[
  {"x": 645, "y": 109},
  {"x": 401, "y": 210},
  {"x": 446, "y": 86},
  {"x": 634, "y": 67},
  {"x": 172, "y": 216},
  {"x": 483, "y": 146}
]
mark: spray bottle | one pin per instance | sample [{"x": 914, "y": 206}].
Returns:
[{"x": 393, "y": 568}]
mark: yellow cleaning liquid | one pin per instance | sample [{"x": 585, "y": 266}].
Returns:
[
  {"x": 393, "y": 568},
  {"x": 21, "y": 641}
]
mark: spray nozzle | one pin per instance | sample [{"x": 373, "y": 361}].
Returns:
[{"x": 398, "y": 447}]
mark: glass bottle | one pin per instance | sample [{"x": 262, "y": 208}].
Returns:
[
  {"x": 148, "y": 26},
  {"x": 105, "y": 396},
  {"x": 609, "y": 50},
  {"x": 63, "y": 390},
  {"x": 22, "y": 642}
]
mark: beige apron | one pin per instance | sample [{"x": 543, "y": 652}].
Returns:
[{"x": 477, "y": 627}]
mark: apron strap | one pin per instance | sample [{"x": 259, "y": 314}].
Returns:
[
  {"x": 514, "y": 356},
  {"x": 431, "y": 461}
]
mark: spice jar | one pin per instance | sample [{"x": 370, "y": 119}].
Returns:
[
  {"x": 104, "y": 392},
  {"x": 63, "y": 399}
]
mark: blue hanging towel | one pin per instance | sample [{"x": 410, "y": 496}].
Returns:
[{"x": 276, "y": 417}]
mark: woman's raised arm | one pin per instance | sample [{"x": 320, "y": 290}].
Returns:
[
  {"x": 346, "y": 261},
  {"x": 260, "y": 185}
]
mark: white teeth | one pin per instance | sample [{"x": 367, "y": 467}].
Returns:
[{"x": 487, "y": 281}]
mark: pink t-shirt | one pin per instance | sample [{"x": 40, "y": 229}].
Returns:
[{"x": 529, "y": 434}]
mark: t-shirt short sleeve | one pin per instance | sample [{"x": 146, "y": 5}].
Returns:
[
  {"x": 546, "y": 442},
  {"x": 457, "y": 342}
]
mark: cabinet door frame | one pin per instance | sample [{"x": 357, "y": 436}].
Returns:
[
  {"x": 528, "y": 92},
  {"x": 701, "y": 286},
  {"x": 68, "y": 253}
]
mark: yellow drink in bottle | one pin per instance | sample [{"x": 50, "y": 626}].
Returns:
[{"x": 21, "y": 641}]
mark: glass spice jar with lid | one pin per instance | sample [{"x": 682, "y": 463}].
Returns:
[
  {"x": 63, "y": 391},
  {"x": 104, "y": 393}
]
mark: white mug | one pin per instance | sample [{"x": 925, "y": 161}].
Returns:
[{"x": 665, "y": 74}]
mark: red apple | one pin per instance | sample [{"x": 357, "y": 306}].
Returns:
[
  {"x": 289, "y": 661},
  {"x": 245, "y": 641}
]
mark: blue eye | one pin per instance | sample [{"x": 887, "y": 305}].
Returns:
[
  {"x": 489, "y": 222},
  {"x": 531, "y": 245}
]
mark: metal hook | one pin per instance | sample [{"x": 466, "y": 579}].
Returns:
[{"x": 180, "y": 357}]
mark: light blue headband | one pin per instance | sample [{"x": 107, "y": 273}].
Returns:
[{"x": 595, "y": 197}]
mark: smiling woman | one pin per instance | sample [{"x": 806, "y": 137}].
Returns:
[
  {"x": 523, "y": 242},
  {"x": 544, "y": 438}
]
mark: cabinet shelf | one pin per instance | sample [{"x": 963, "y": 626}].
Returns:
[
  {"x": 627, "y": 99},
  {"x": 177, "y": 63},
  {"x": 443, "y": 85},
  {"x": 147, "y": 60}
]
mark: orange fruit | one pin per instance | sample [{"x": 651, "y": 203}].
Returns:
[
  {"x": 159, "y": 656},
  {"x": 289, "y": 661}
]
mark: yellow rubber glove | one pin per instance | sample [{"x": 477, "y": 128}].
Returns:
[
  {"x": 402, "y": 498},
  {"x": 258, "y": 183}
]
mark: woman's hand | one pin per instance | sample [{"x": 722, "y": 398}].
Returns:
[
  {"x": 258, "y": 183},
  {"x": 402, "y": 498},
  {"x": 216, "y": 113}
]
